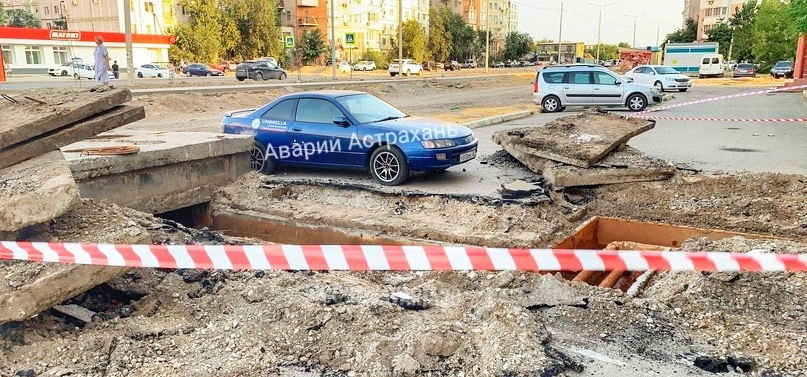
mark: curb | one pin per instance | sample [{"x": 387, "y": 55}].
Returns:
[{"x": 498, "y": 119}]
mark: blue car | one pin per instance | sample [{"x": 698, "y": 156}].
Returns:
[{"x": 343, "y": 129}]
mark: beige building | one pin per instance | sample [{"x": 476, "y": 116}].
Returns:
[
  {"x": 691, "y": 10},
  {"x": 95, "y": 15},
  {"x": 714, "y": 12}
]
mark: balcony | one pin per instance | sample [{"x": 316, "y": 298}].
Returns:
[
  {"x": 307, "y": 3},
  {"x": 307, "y": 21}
]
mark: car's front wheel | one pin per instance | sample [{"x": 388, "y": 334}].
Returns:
[
  {"x": 282, "y": 76},
  {"x": 259, "y": 160},
  {"x": 258, "y": 76},
  {"x": 388, "y": 166},
  {"x": 636, "y": 102},
  {"x": 551, "y": 104},
  {"x": 659, "y": 86},
  {"x": 64, "y": 73},
  {"x": 682, "y": 90}
]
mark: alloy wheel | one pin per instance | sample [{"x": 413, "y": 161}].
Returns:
[
  {"x": 256, "y": 159},
  {"x": 386, "y": 166}
]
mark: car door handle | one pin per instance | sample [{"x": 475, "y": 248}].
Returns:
[
  {"x": 296, "y": 129},
  {"x": 565, "y": 87},
  {"x": 596, "y": 88}
]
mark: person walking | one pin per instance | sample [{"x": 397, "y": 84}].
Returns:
[
  {"x": 101, "y": 67},
  {"x": 115, "y": 70}
]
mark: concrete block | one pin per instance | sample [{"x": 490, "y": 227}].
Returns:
[
  {"x": 579, "y": 140},
  {"x": 36, "y": 191},
  {"x": 71, "y": 133},
  {"x": 497, "y": 119},
  {"x": 51, "y": 110}
]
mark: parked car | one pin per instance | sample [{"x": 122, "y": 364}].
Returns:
[
  {"x": 470, "y": 63},
  {"x": 497, "y": 65},
  {"x": 85, "y": 71},
  {"x": 344, "y": 67},
  {"x": 429, "y": 65},
  {"x": 224, "y": 66},
  {"x": 660, "y": 76},
  {"x": 745, "y": 70},
  {"x": 321, "y": 129},
  {"x": 65, "y": 69},
  {"x": 406, "y": 68},
  {"x": 712, "y": 65},
  {"x": 152, "y": 70},
  {"x": 365, "y": 65},
  {"x": 452, "y": 66},
  {"x": 259, "y": 70},
  {"x": 559, "y": 86},
  {"x": 197, "y": 69},
  {"x": 782, "y": 69}
]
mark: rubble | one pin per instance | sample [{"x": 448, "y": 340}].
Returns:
[{"x": 519, "y": 189}]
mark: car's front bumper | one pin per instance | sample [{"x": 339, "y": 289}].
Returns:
[
  {"x": 443, "y": 158},
  {"x": 677, "y": 85}
]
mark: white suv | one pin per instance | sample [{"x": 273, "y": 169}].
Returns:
[
  {"x": 558, "y": 86},
  {"x": 408, "y": 67}
]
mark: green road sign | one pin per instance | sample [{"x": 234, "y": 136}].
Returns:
[
  {"x": 350, "y": 38},
  {"x": 289, "y": 41}
]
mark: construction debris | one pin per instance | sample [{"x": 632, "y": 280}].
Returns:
[
  {"x": 519, "y": 189},
  {"x": 82, "y": 314}
]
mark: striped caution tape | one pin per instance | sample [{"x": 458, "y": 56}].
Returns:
[
  {"x": 720, "y": 98},
  {"x": 785, "y": 120},
  {"x": 392, "y": 258}
]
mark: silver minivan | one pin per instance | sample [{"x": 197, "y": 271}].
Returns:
[{"x": 559, "y": 86}]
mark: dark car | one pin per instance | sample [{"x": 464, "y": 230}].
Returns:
[
  {"x": 745, "y": 70},
  {"x": 259, "y": 70},
  {"x": 452, "y": 66},
  {"x": 782, "y": 69},
  {"x": 428, "y": 65},
  {"x": 197, "y": 69},
  {"x": 497, "y": 65}
]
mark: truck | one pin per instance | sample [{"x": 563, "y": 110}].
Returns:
[{"x": 686, "y": 57}]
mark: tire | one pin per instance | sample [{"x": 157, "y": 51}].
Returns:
[
  {"x": 259, "y": 76},
  {"x": 140, "y": 75},
  {"x": 75, "y": 76},
  {"x": 392, "y": 74},
  {"x": 682, "y": 90},
  {"x": 551, "y": 104},
  {"x": 282, "y": 76},
  {"x": 420, "y": 73},
  {"x": 659, "y": 85},
  {"x": 258, "y": 161},
  {"x": 388, "y": 166},
  {"x": 159, "y": 75},
  {"x": 188, "y": 73},
  {"x": 636, "y": 102},
  {"x": 240, "y": 78},
  {"x": 700, "y": 76},
  {"x": 407, "y": 73},
  {"x": 64, "y": 73},
  {"x": 209, "y": 74}
]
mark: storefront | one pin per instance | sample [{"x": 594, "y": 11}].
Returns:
[{"x": 33, "y": 51}]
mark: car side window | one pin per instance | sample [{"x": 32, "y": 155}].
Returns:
[
  {"x": 553, "y": 77},
  {"x": 144, "y": 66},
  {"x": 603, "y": 78},
  {"x": 579, "y": 78},
  {"x": 282, "y": 111},
  {"x": 642, "y": 70},
  {"x": 313, "y": 110},
  {"x": 715, "y": 60}
]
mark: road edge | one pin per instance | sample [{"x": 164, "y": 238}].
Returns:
[{"x": 498, "y": 119}]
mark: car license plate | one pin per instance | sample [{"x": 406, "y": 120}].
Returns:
[{"x": 467, "y": 156}]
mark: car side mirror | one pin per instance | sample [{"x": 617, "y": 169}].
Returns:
[
  {"x": 618, "y": 83},
  {"x": 341, "y": 120}
]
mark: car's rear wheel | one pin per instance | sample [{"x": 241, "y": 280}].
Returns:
[
  {"x": 388, "y": 166},
  {"x": 258, "y": 76},
  {"x": 188, "y": 73},
  {"x": 259, "y": 161},
  {"x": 209, "y": 74},
  {"x": 636, "y": 102},
  {"x": 282, "y": 76},
  {"x": 407, "y": 73},
  {"x": 551, "y": 104},
  {"x": 75, "y": 76},
  {"x": 160, "y": 75},
  {"x": 240, "y": 78},
  {"x": 64, "y": 73},
  {"x": 140, "y": 75}
]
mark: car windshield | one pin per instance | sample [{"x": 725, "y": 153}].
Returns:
[
  {"x": 666, "y": 70},
  {"x": 367, "y": 108},
  {"x": 782, "y": 65}
]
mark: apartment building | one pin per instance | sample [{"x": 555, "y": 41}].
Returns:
[
  {"x": 95, "y": 15},
  {"x": 500, "y": 16},
  {"x": 691, "y": 10},
  {"x": 714, "y": 12}
]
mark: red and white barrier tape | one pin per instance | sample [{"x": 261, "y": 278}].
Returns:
[
  {"x": 391, "y": 258},
  {"x": 720, "y": 98},
  {"x": 721, "y": 119}
]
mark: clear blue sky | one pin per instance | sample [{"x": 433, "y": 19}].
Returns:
[{"x": 540, "y": 19}]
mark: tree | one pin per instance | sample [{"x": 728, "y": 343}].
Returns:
[
  {"x": 721, "y": 33},
  {"x": 230, "y": 34},
  {"x": 257, "y": 28},
  {"x": 545, "y": 40},
  {"x": 516, "y": 44},
  {"x": 774, "y": 34},
  {"x": 21, "y": 18},
  {"x": 376, "y": 57},
  {"x": 414, "y": 40},
  {"x": 462, "y": 37},
  {"x": 2, "y": 15},
  {"x": 607, "y": 52},
  {"x": 204, "y": 35},
  {"x": 623, "y": 45},
  {"x": 312, "y": 45},
  {"x": 798, "y": 11},
  {"x": 60, "y": 24},
  {"x": 439, "y": 38},
  {"x": 181, "y": 49},
  {"x": 742, "y": 23},
  {"x": 686, "y": 35}
]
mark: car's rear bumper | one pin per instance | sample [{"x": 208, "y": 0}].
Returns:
[{"x": 744, "y": 74}]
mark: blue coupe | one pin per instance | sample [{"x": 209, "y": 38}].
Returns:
[{"x": 349, "y": 130}]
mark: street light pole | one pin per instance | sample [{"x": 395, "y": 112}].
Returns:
[
  {"x": 634, "y": 26},
  {"x": 658, "y": 30},
  {"x": 400, "y": 37},
  {"x": 487, "y": 41},
  {"x": 333, "y": 42},
  {"x": 599, "y": 29},
  {"x": 560, "y": 32}
]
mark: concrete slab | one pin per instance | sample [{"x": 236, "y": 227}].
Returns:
[
  {"x": 580, "y": 140},
  {"x": 49, "y": 110},
  {"x": 172, "y": 170},
  {"x": 73, "y": 132},
  {"x": 36, "y": 191}
]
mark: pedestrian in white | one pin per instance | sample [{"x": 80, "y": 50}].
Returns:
[{"x": 101, "y": 66}]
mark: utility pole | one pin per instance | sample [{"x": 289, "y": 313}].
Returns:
[
  {"x": 560, "y": 31},
  {"x": 634, "y": 26},
  {"x": 400, "y": 37},
  {"x": 333, "y": 42},
  {"x": 658, "y": 30},
  {"x": 487, "y": 41},
  {"x": 127, "y": 28},
  {"x": 599, "y": 29}
]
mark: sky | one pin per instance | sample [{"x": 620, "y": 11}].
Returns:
[{"x": 541, "y": 18}]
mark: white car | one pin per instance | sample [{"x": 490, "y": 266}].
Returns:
[
  {"x": 408, "y": 67},
  {"x": 344, "y": 67},
  {"x": 367, "y": 65},
  {"x": 660, "y": 76},
  {"x": 65, "y": 69},
  {"x": 152, "y": 70},
  {"x": 85, "y": 71}
]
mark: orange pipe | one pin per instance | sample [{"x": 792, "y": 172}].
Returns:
[
  {"x": 801, "y": 56},
  {"x": 611, "y": 279}
]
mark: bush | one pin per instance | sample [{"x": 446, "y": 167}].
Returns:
[{"x": 376, "y": 57}]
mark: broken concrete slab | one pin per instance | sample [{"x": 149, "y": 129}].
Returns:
[
  {"x": 519, "y": 189},
  {"x": 36, "y": 191},
  {"x": 71, "y": 133},
  {"x": 172, "y": 170},
  {"x": 580, "y": 140},
  {"x": 49, "y": 110},
  {"x": 75, "y": 311}
]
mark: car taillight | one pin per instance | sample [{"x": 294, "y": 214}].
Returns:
[{"x": 535, "y": 87}]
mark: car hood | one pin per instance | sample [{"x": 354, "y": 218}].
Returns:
[
  {"x": 418, "y": 126},
  {"x": 781, "y": 68}
]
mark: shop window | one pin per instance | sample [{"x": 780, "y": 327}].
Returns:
[
  {"x": 60, "y": 55},
  {"x": 33, "y": 55},
  {"x": 7, "y": 55}
]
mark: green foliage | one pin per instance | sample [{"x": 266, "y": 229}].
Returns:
[
  {"x": 774, "y": 34},
  {"x": 2, "y": 15},
  {"x": 686, "y": 35},
  {"x": 545, "y": 40},
  {"x": 60, "y": 24},
  {"x": 312, "y": 45},
  {"x": 230, "y": 35},
  {"x": 481, "y": 43},
  {"x": 516, "y": 45},
  {"x": 798, "y": 12},
  {"x": 376, "y": 57},
  {"x": 721, "y": 33},
  {"x": 607, "y": 52},
  {"x": 462, "y": 37},
  {"x": 257, "y": 27},
  {"x": 742, "y": 21},
  {"x": 414, "y": 40},
  {"x": 21, "y": 18},
  {"x": 623, "y": 45},
  {"x": 205, "y": 40},
  {"x": 181, "y": 50},
  {"x": 439, "y": 37}
]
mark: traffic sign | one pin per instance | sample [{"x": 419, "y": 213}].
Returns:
[
  {"x": 350, "y": 38},
  {"x": 289, "y": 41}
]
